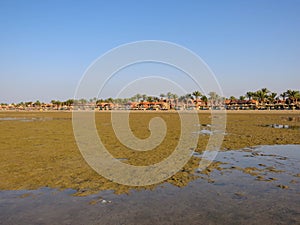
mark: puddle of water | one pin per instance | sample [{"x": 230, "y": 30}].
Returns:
[
  {"x": 30, "y": 119},
  {"x": 23, "y": 119},
  {"x": 205, "y": 132},
  {"x": 283, "y": 126},
  {"x": 122, "y": 159},
  {"x": 203, "y": 125},
  {"x": 208, "y": 129},
  {"x": 234, "y": 197},
  {"x": 209, "y": 132}
]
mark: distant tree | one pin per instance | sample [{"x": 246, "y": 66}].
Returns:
[
  {"x": 189, "y": 96},
  {"x": 144, "y": 97},
  {"x": 37, "y": 103},
  {"x": 213, "y": 96},
  {"x": 111, "y": 100},
  {"x": 181, "y": 98},
  {"x": 261, "y": 96},
  {"x": 138, "y": 97},
  {"x": 149, "y": 99},
  {"x": 118, "y": 100},
  {"x": 83, "y": 101},
  {"x": 162, "y": 95},
  {"x": 174, "y": 96},
  {"x": 156, "y": 99},
  {"x": 169, "y": 95},
  {"x": 99, "y": 101},
  {"x": 265, "y": 90},
  {"x": 133, "y": 99},
  {"x": 56, "y": 103},
  {"x": 272, "y": 96},
  {"x": 197, "y": 94},
  {"x": 69, "y": 102},
  {"x": 232, "y": 98},
  {"x": 249, "y": 95},
  {"x": 28, "y": 104},
  {"x": 242, "y": 98},
  {"x": 125, "y": 100},
  {"x": 283, "y": 95},
  {"x": 204, "y": 99},
  {"x": 293, "y": 95}
]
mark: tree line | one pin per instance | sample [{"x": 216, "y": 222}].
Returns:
[{"x": 262, "y": 96}]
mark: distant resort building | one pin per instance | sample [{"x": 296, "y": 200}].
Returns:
[{"x": 162, "y": 104}]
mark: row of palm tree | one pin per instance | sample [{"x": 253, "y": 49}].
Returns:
[
  {"x": 265, "y": 96},
  {"x": 262, "y": 96}
]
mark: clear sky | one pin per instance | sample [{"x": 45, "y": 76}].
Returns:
[{"x": 45, "y": 46}]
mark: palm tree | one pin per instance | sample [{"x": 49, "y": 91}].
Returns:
[
  {"x": 261, "y": 96},
  {"x": 162, "y": 95},
  {"x": 249, "y": 95},
  {"x": 125, "y": 100},
  {"x": 132, "y": 99},
  {"x": 175, "y": 99},
  {"x": 118, "y": 100},
  {"x": 138, "y": 97},
  {"x": 83, "y": 101},
  {"x": 196, "y": 94},
  {"x": 58, "y": 104},
  {"x": 265, "y": 90},
  {"x": 283, "y": 95},
  {"x": 156, "y": 99},
  {"x": 111, "y": 100},
  {"x": 69, "y": 102},
  {"x": 169, "y": 95},
  {"x": 293, "y": 95},
  {"x": 149, "y": 99},
  {"x": 213, "y": 96},
  {"x": 204, "y": 99},
  {"x": 272, "y": 97},
  {"x": 242, "y": 98},
  {"x": 189, "y": 96},
  {"x": 37, "y": 103},
  {"x": 232, "y": 98},
  {"x": 144, "y": 97}
]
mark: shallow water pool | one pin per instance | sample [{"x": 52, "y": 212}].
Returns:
[{"x": 259, "y": 185}]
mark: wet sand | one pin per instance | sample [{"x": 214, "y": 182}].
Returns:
[{"x": 230, "y": 194}]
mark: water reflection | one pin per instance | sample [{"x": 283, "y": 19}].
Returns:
[
  {"x": 31, "y": 119},
  {"x": 282, "y": 126},
  {"x": 249, "y": 186}
]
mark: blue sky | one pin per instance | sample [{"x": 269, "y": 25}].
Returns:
[{"x": 45, "y": 46}]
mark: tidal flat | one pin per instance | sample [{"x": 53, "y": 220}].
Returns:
[
  {"x": 254, "y": 178},
  {"x": 38, "y": 149}
]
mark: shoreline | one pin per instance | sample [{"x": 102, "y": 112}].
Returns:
[{"x": 163, "y": 111}]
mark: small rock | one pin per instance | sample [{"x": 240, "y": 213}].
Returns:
[
  {"x": 261, "y": 178},
  {"x": 260, "y": 164},
  {"x": 283, "y": 186}
]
